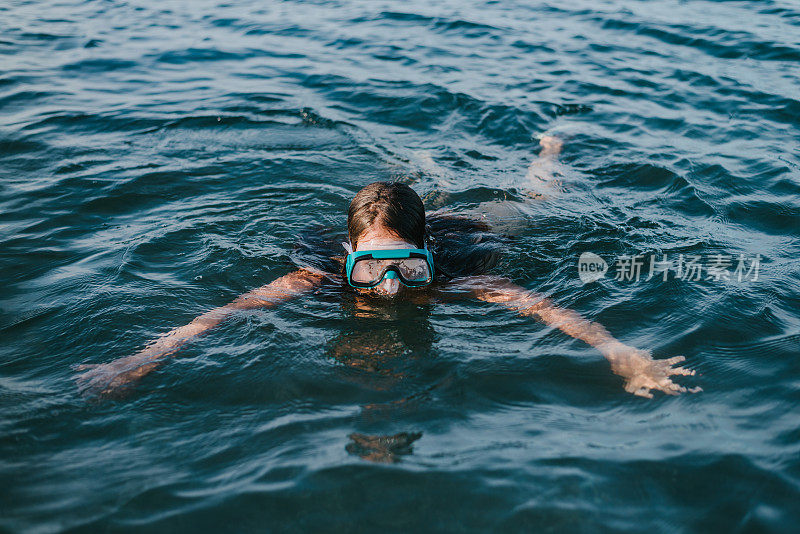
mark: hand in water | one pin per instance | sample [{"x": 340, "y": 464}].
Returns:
[
  {"x": 643, "y": 373},
  {"x": 111, "y": 379}
]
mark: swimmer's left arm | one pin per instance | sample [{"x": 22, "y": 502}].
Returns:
[
  {"x": 641, "y": 371},
  {"x": 108, "y": 378}
]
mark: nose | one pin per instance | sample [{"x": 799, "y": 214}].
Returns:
[{"x": 389, "y": 286}]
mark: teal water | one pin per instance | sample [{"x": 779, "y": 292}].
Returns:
[{"x": 161, "y": 158}]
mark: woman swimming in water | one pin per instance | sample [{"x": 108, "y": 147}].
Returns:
[{"x": 393, "y": 252}]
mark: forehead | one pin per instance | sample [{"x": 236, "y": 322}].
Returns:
[{"x": 377, "y": 232}]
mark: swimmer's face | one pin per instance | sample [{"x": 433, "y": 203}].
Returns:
[{"x": 377, "y": 238}]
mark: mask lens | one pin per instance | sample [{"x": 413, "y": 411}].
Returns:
[
  {"x": 414, "y": 269},
  {"x": 371, "y": 271},
  {"x": 368, "y": 271}
]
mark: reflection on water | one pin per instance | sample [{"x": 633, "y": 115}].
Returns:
[{"x": 382, "y": 449}]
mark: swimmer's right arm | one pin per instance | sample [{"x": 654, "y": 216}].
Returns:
[
  {"x": 107, "y": 378},
  {"x": 642, "y": 372}
]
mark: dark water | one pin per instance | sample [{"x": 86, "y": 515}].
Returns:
[{"x": 160, "y": 158}]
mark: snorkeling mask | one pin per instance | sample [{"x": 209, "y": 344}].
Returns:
[{"x": 368, "y": 268}]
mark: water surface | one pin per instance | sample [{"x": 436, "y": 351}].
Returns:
[{"x": 160, "y": 158}]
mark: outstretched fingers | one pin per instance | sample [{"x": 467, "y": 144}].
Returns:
[
  {"x": 638, "y": 387},
  {"x": 682, "y": 371},
  {"x": 643, "y": 387},
  {"x": 651, "y": 375},
  {"x": 671, "y": 388},
  {"x": 666, "y": 366}
]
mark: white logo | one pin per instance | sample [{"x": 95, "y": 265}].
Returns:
[{"x": 591, "y": 267}]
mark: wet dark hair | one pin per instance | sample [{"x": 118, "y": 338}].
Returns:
[
  {"x": 393, "y": 205},
  {"x": 461, "y": 246}
]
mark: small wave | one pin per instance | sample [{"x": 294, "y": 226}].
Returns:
[
  {"x": 100, "y": 65},
  {"x": 77, "y": 121},
  {"x": 774, "y": 217},
  {"x": 192, "y": 55},
  {"x": 10, "y": 147},
  {"x": 741, "y": 45}
]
